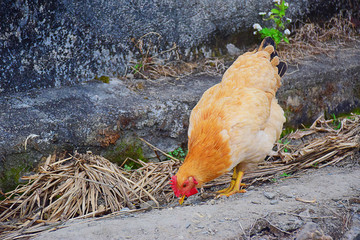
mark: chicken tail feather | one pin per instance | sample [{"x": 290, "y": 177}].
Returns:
[
  {"x": 282, "y": 67},
  {"x": 268, "y": 41}
]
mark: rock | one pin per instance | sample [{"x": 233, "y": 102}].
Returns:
[
  {"x": 289, "y": 195},
  {"x": 232, "y": 50},
  {"x": 273, "y": 202},
  {"x": 59, "y": 43},
  {"x": 269, "y": 195}
]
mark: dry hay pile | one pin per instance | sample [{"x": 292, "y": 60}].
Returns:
[
  {"x": 83, "y": 185},
  {"x": 86, "y": 185}
]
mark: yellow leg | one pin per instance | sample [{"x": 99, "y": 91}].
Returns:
[{"x": 234, "y": 184}]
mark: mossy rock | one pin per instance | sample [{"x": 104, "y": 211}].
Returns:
[
  {"x": 10, "y": 174},
  {"x": 123, "y": 151},
  {"x": 104, "y": 79}
]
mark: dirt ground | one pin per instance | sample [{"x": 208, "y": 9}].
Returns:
[{"x": 314, "y": 204}]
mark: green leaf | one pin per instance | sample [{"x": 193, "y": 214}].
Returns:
[
  {"x": 275, "y": 11},
  {"x": 282, "y": 13}
]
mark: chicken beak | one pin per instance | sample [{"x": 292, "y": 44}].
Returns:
[{"x": 181, "y": 200}]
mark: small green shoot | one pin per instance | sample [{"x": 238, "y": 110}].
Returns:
[
  {"x": 284, "y": 175},
  {"x": 315, "y": 165},
  {"x": 286, "y": 131},
  {"x": 336, "y": 122},
  {"x": 137, "y": 67},
  {"x": 285, "y": 142},
  {"x": 128, "y": 167},
  {"x": 178, "y": 153}
]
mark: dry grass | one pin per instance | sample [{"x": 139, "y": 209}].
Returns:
[
  {"x": 309, "y": 39},
  {"x": 154, "y": 64},
  {"x": 312, "y": 39},
  {"x": 86, "y": 185}
]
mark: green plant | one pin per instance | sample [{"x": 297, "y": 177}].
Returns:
[
  {"x": 315, "y": 165},
  {"x": 336, "y": 122},
  {"x": 285, "y": 175},
  {"x": 279, "y": 31},
  {"x": 178, "y": 153},
  {"x": 285, "y": 142},
  {"x": 286, "y": 131},
  {"x": 128, "y": 167},
  {"x": 137, "y": 67}
]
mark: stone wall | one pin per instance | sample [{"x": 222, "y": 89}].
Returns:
[{"x": 47, "y": 43}]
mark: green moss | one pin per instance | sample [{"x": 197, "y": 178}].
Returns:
[
  {"x": 11, "y": 174},
  {"x": 125, "y": 150},
  {"x": 104, "y": 79},
  {"x": 355, "y": 111}
]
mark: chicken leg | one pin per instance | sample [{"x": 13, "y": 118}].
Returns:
[{"x": 234, "y": 184}]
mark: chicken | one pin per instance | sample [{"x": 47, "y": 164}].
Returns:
[{"x": 235, "y": 123}]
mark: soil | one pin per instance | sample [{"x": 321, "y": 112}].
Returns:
[{"x": 313, "y": 204}]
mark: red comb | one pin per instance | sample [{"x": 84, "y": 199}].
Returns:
[{"x": 173, "y": 183}]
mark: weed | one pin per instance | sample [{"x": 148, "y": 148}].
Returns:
[
  {"x": 285, "y": 175},
  {"x": 336, "y": 122},
  {"x": 178, "y": 153},
  {"x": 128, "y": 167},
  {"x": 279, "y": 31},
  {"x": 315, "y": 165},
  {"x": 286, "y": 131},
  {"x": 285, "y": 142}
]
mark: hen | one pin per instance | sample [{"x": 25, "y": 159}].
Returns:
[{"x": 235, "y": 123}]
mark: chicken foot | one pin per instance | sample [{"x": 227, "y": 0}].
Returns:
[{"x": 235, "y": 184}]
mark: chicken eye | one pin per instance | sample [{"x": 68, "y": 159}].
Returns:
[{"x": 184, "y": 185}]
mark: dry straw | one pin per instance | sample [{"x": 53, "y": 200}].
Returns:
[{"x": 312, "y": 38}]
